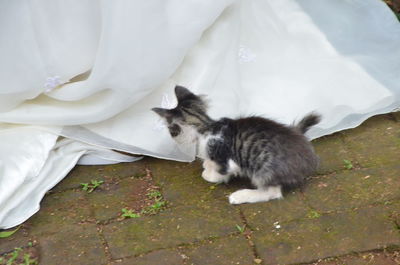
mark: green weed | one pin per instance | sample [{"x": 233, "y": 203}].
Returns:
[
  {"x": 314, "y": 214},
  {"x": 347, "y": 164},
  {"x": 90, "y": 187},
  {"x": 29, "y": 261},
  {"x": 241, "y": 228},
  {"x": 155, "y": 194},
  {"x": 128, "y": 213},
  {"x": 14, "y": 255},
  {"x": 158, "y": 206}
]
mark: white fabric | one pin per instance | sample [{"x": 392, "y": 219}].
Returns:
[
  {"x": 277, "y": 58},
  {"x": 33, "y": 162}
]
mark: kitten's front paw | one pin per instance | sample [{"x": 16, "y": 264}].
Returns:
[
  {"x": 214, "y": 177},
  {"x": 240, "y": 196},
  {"x": 206, "y": 175},
  {"x": 251, "y": 196}
]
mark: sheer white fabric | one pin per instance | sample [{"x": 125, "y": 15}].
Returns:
[{"x": 277, "y": 58}]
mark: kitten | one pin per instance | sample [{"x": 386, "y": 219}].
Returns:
[{"x": 272, "y": 155}]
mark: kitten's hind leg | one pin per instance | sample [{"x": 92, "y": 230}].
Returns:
[
  {"x": 211, "y": 172},
  {"x": 258, "y": 195}
]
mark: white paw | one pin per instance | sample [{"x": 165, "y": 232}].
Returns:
[
  {"x": 251, "y": 196},
  {"x": 213, "y": 177},
  {"x": 241, "y": 196},
  {"x": 206, "y": 175}
]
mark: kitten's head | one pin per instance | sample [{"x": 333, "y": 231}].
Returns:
[{"x": 190, "y": 111}]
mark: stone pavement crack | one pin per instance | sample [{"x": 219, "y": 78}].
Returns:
[
  {"x": 181, "y": 246},
  {"x": 348, "y": 210},
  {"x": 104, "y": 243},
  {"x": 247, "y": 235},
  {"x": 329, "y": 260}
]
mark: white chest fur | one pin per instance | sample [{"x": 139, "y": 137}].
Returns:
[
  {"x": 187, "y": 140},
  {"x": 189, "y": 137}
]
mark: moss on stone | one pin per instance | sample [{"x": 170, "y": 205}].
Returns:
[
  {"x": 225, "y": 251},
  {"x": 327, "y": 236},
  {"x": 331, "y": 151},
  {"x": 376, "y": 142},
  {"x": 170, "y": 228},
  {"x": 352, "y": 189},
  {"x": 60, "y": 210}
]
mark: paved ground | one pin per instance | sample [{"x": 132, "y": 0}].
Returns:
[{"x": 349, "y": 213}]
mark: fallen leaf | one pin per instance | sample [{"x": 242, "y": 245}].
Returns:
[
  {"x": 258, "y": 261},
  {"x": 8, "y": 233},
  {"x": 322, "y": 185}
]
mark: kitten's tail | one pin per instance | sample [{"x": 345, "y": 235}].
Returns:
[{"x": 308, "y": 121}]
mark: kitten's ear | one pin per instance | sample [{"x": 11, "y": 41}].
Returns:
[
  {"x": 162, "y": 112},
  {"x": 182, "y": 93}
]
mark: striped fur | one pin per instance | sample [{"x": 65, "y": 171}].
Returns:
[{"x": 270, "y": 154}]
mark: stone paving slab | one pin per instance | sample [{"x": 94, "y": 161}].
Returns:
[
  {"x": 276, "y": 212},
  {"x": 332, "y": 151},
  {"x": 226, "y": 251},
  {"x": 79, "y": 244},
  {"x": 183, "y": 185},
  {"x": 353, "y": 188},
  {"x": 164, "y": 256},
  {"x": 376, "y": 142},
  {"x": 385, "y": 257},
  {"x": 84, "y": 174},
  {"x": 60, "y": 210},
  {"x": 376, "y": 260},
  {"x": 170, "y": 228},
  {"x": 327, "y": 236},
  {"x": 107, "y": 202}
]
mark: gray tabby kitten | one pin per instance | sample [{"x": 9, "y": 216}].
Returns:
[{"x": 272, "y": 155}]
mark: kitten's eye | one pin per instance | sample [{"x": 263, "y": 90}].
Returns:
[{"x": 174, "y": 130}]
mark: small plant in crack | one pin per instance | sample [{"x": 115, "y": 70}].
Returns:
[
  {"x": 158, "y": 205},
  {"x": 90, "y": 187},
  {"x": 313, "y": 214},
  {"x": 128, "y": 213},
  {"x": 241, "y": 228},
  {"x": 29, "y": 261},
  {"x": 154, "y": 194},
  {"x": 15, "y": 257},
  {"x": 348, "y": 164}
]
